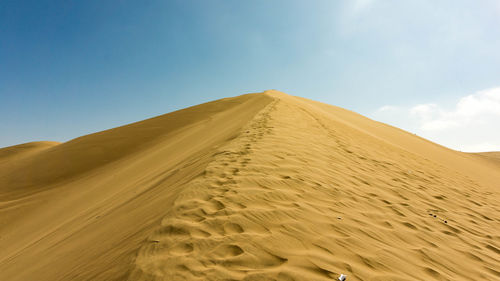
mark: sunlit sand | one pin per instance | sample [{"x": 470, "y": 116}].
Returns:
[{"x": 263, "y": 186}]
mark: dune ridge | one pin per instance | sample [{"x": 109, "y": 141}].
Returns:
[
  {"x": 293, "y": 190},
  {"x": 493, "y": 157},
  {"x": 86, "y": 222},
  {"x": 18, "y": 151}
]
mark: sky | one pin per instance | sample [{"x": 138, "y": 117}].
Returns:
[{"x": 69, "y": 68}]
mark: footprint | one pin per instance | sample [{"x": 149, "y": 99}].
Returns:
[
  {"x": 199, "y": 233},
  {"x": 171, "y": 230},
  {"x": 228, "y": 251},
  {"x": 216, "y": 205},
  {"x": 233, "y": 228},
  {"x": 431, "y": 272},
  {"x": 409, "y": 225},
  {"x": 386, "y": 202},
  {"x": 182, "y": 248}
]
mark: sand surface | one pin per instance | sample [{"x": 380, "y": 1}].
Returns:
[{"x": 262, "y": 186}]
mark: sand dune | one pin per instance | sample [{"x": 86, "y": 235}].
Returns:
[
  {"x": 258, "y": 187},
  {"x": 13, "y": 153},
  {"x": 493, "y": 157}
]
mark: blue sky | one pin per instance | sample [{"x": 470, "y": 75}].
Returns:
[{"x": 69, "y": 68}]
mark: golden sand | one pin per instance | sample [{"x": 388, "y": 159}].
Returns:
[{"x": 258, "y": 187}]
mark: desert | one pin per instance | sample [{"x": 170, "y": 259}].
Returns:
[{"x": 261, "y": 186}]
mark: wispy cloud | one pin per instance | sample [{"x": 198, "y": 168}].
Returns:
[
  {"x": 472, "y": 124},
  {"x": 387, "y": 108}
]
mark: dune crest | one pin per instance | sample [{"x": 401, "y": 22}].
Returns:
[
  {"x": 266, "y": 187},
  {"x": 18, "y": 151}
]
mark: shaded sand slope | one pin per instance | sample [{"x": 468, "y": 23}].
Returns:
[
  {"x": 294, "y": 190},
  {"x": 90, "y": 152},
  {"x": 99, "y": 195},
  {"x": 14, "y": 153}
]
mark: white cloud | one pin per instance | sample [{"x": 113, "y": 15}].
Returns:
[
  {"x": 473, "y": 123},
  {"x": 478, "y": 108},
  {"x": 425, "y": 112}
]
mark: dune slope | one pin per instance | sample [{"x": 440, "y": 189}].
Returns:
[
  {"x": 13, "y": 153},
  {"x": 266, "y": 187},
  {"x": 80, "y": 210}
]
